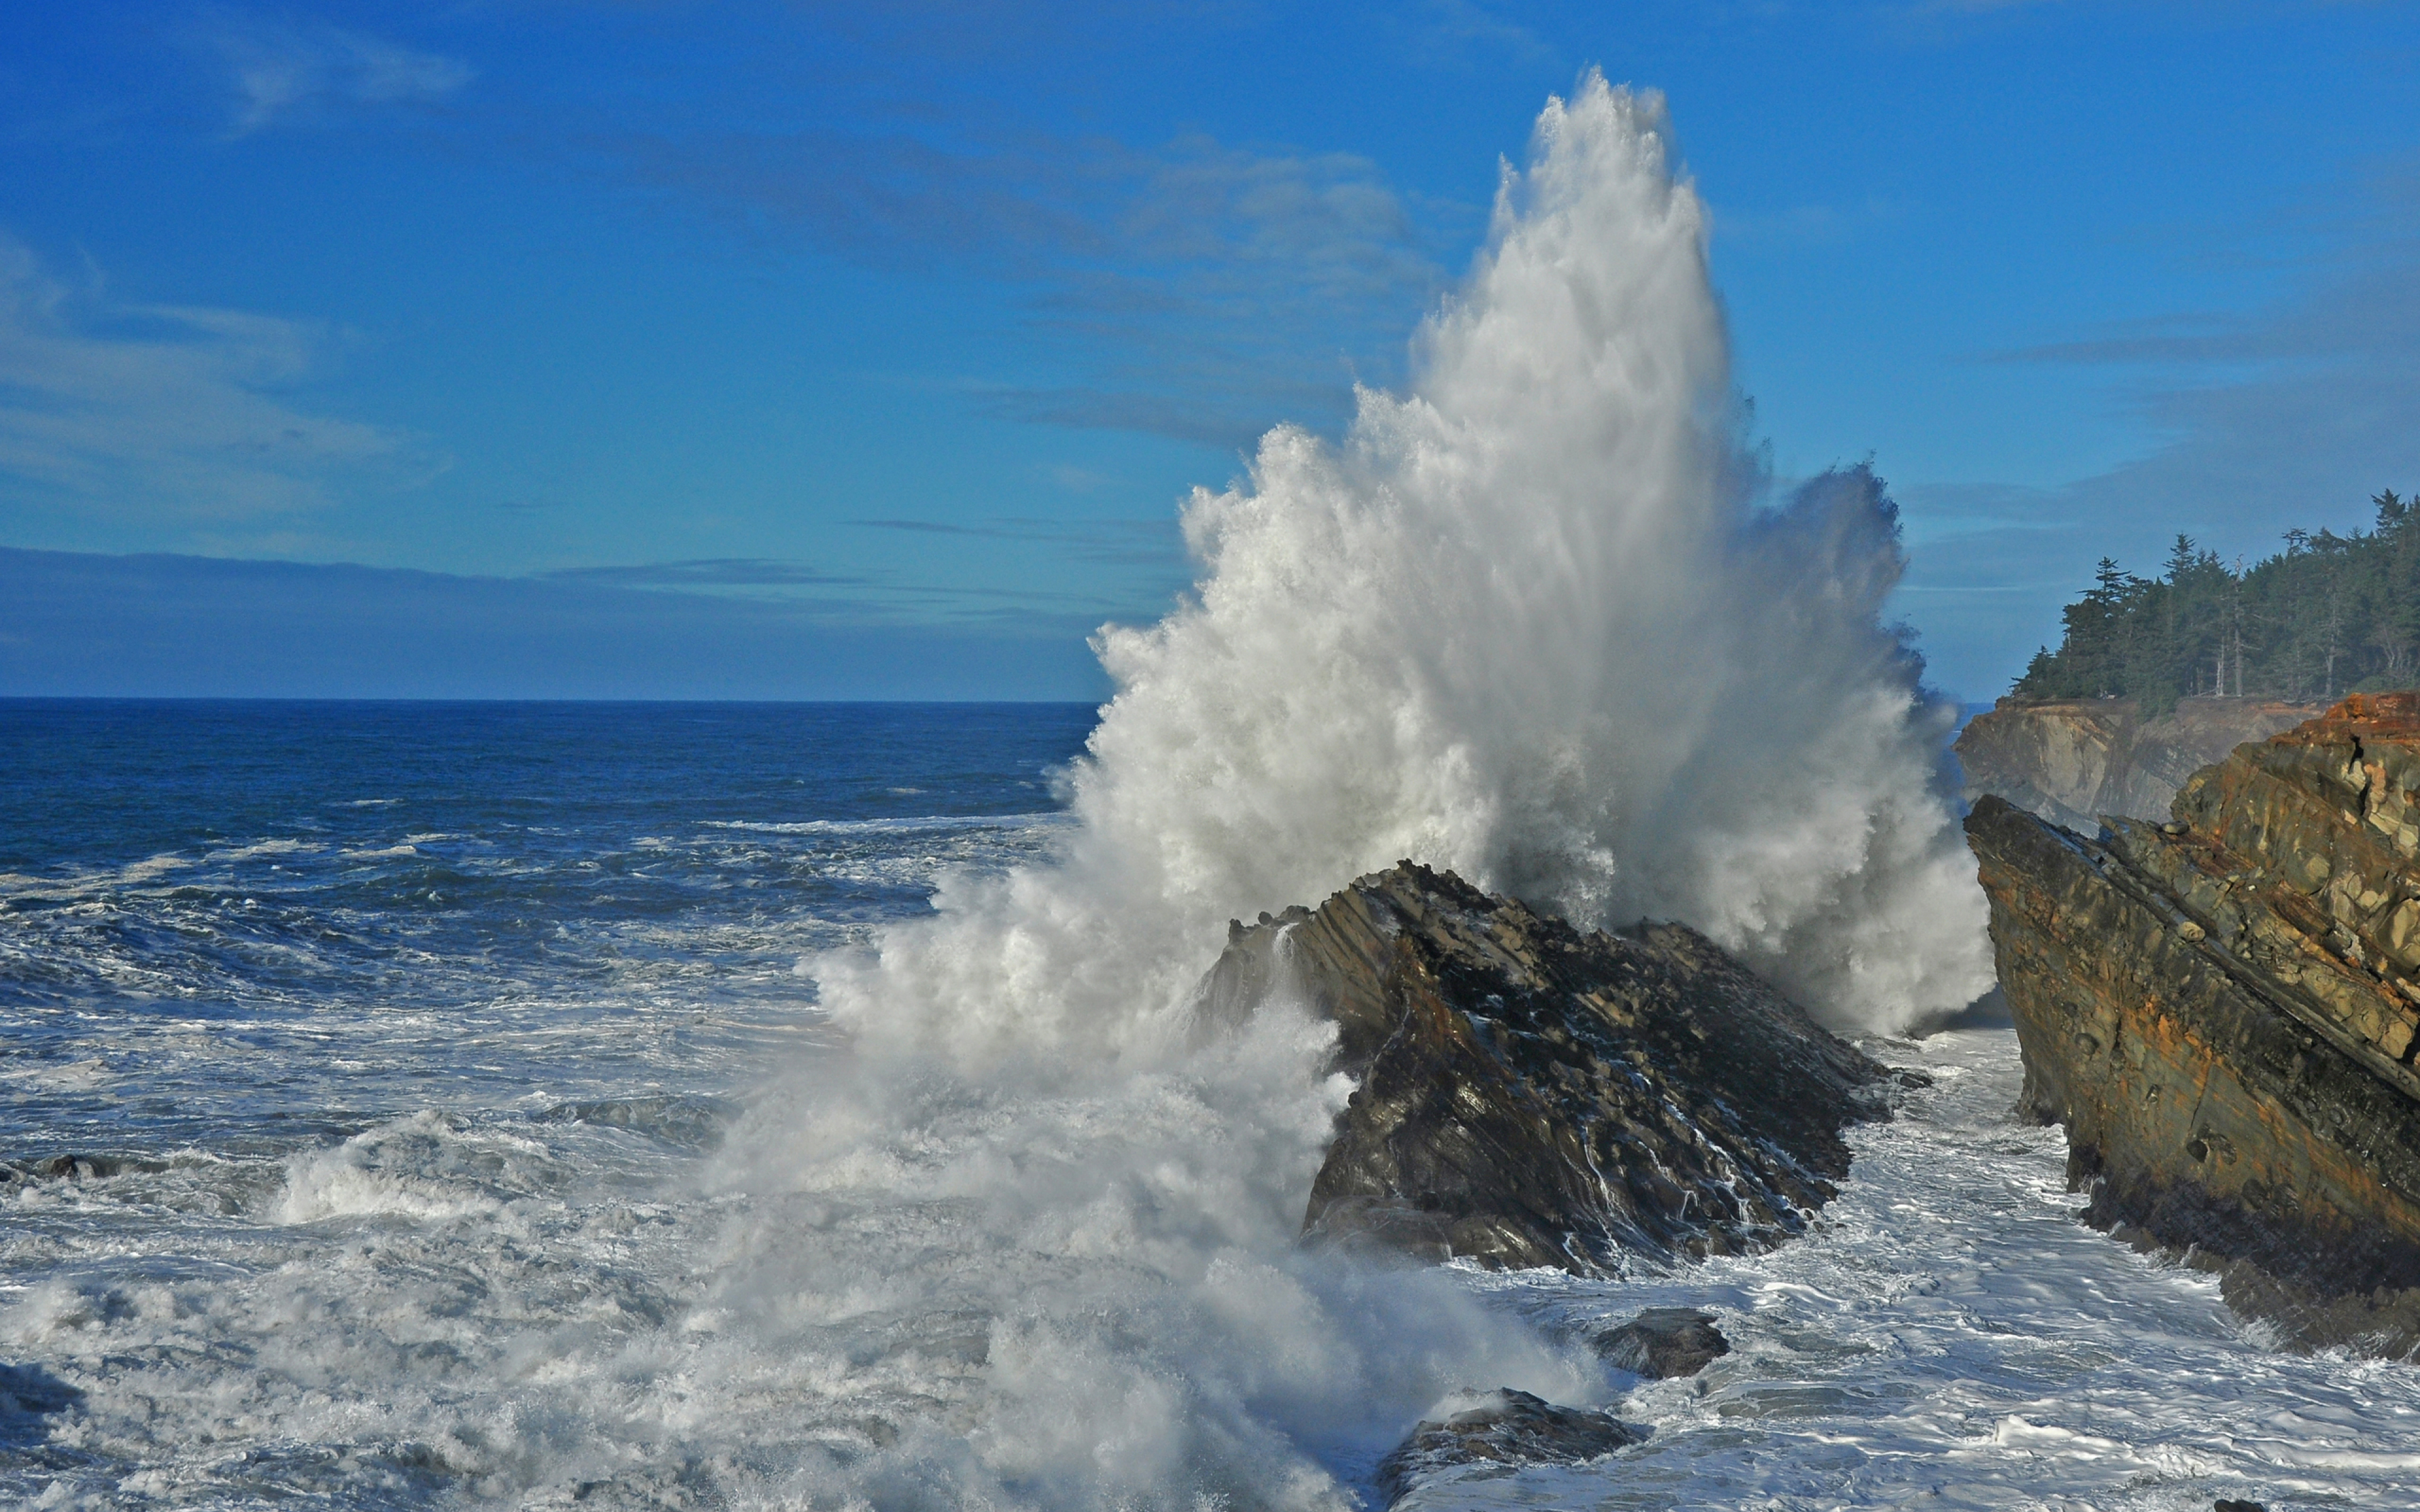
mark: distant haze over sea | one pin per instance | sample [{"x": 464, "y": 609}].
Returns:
[{"x": 77, "y": 625}]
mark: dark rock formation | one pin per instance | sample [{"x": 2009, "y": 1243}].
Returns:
[
  {"x": 1503, "y": 1426},
  {"x": 1531, "y": 1095},
  {"x": 2073, "y": 761},
  {"x": 29, "y": 1395},
  {"x": 1663, "y": 1342},
  {"x": 2222, "y": 1011},
  {"x": 76, "y": 1169}
]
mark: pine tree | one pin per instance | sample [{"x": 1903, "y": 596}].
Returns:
[{"x": 2327, "y": 614}]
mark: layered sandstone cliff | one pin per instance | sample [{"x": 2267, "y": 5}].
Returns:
[
  {"x": 2222, "y": 1010},
  {"x": 1529, "y": 1094},
  {"x": 2073, "y": 761}
]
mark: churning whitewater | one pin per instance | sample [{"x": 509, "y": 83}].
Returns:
[{"x": 423, "y": 1151}]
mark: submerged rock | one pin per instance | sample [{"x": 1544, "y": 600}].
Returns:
[
  {"x": 1502, "y": 1427},
  {"x": 1532, "y": 1095},
  {"x": 77, "y": 1168},
  {"x": 2222, "y": 1010},
  {"x": 2071, "y": 760},
  {"x": 1664, "y": 1342}
]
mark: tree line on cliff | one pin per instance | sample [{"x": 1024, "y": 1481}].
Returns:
[{"x": 2329, "y": 614}]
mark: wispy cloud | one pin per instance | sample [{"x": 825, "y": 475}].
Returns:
[
  {"x": 175, "y": 412},
  {"x": 1803, "y": 225},
  {"x": 179, "y": 626},
  {"x": 709, "y": 573},
  {"x": 1137, "y": 543},
  {"x": 1450, "y": 30},
  {"x": 1209, "y": 289},
  {"x": 2291, "y": 416},
  {"x": 282, "y": 68},
  {"x": 1146, "y": 558}
]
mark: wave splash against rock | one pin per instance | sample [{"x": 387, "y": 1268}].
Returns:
[{"x": 1529, "y": 1094}]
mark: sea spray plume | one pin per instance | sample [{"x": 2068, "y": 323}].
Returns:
[{"x": 1523, "y": 622}]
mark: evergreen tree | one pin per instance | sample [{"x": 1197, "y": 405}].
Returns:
[{"x": 2327, "y": 615}]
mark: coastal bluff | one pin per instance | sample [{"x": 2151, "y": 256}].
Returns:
[
  {"x": 2073, "y": 760},
  {"x": 1530, "y": 1094},
  {"x": 2222, "y": 1011}
]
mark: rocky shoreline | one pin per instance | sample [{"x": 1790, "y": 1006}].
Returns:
[
  {"x": 2222, "y": 1011},
  {"x": 1530, "y": 1094},
  {"x": 2074, "y": 760}
]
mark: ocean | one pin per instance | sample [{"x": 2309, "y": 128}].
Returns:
[{"x": 432, "y": 1105}]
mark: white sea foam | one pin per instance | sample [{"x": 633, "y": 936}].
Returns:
[
  {"x": 95, "y": 883},
  {"x": 919, "y": 825},
  {"x": 426, "y": 1167},
  {"x": 612, "y": 1335},
  {"x": 283, "y": 846},
  {"x": 1525, "y": 622}
]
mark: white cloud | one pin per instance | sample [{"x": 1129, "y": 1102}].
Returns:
[
  {"x": 164, "y": 412},
  {"x": 280, "y": 70}
]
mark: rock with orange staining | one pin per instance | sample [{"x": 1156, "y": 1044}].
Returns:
[{"x": 2222, "y": 1011}]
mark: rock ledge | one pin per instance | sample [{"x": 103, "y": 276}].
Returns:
[
  {"x": 2222, "y": 1011},
  {"x": 1532, "y": 1095}
]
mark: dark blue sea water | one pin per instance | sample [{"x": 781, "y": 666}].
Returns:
[
  {"x": 292, "y": 917},
  {"x": 233, "y": 933}
]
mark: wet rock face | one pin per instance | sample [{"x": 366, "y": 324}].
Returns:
[
  {"x": 1502, "y": 1427},
  {"x": 2222, "y": 1010},
  {"x": 2073, "y": 761},
  {"x": 1531, "y": 1095},
  {"x": 1663, "y": 1342}
]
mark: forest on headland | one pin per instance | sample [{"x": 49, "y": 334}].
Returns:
[{"x": 2329, "y": 615}]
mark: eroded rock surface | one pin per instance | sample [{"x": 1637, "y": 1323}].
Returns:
[
  {"x": 2073, "y": 761},
  {"x": 2222, "y": 1011},
  {"x": 1531, "y": 1095},
  {"x": 1663, "y": 1342},
  {"x": 1502, "y": 1427}
]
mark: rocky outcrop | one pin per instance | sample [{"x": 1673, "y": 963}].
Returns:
[
  {"x": 2073, "y": 761},
  {"x": 1663, "y": 1342},
  {"x": 2222, "y": 1011},
  {"x": 1501, "y": 1427},
  {"x": 1531, "y": 1095}
]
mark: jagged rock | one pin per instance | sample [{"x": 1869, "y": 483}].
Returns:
[
  {"x": 2074, "y": 760},
  {"x": 1531, "y": 1095},
  {"x": 1664, "y": 1342},
  {"x": 1503, "y": 1426},
  {"x": 2222, "y": 1010}
]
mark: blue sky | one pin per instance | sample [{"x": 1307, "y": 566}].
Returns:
[{"x": 880, "y": 342}]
